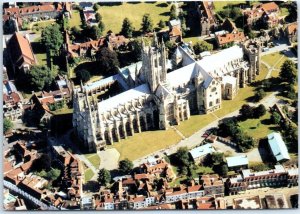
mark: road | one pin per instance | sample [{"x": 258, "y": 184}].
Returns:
[{"x": 197, "y": 138}]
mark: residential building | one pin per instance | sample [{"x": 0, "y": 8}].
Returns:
[
  {"x": 199, "y": 153},
  {"x": 159, "y": 168},
  {"x": 247, "y": 202},
  {"x": 237, "y": 162},
  {"x": 268, "y": 178},
  {"x": 88, "y": 13},
  {"x": 276, "y": 201},
  {"x": 291, "y": 32},
  {"x": 235, "y": 185},
  {"x": 12, "y": 103},
  {"x": 175, "y": 32},
  {"x": 230, "y": 38},
  {"x": 212, "y": 184},
  {"x": 278, "y": 147},
  {"x": 208, "y": 21},
  {"x": 20, "y": 52}
]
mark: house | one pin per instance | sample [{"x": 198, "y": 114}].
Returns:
[
  {"x": 291, "y": 32},
  {"x": 159, "y": 168},
  {"x": 235, "y": 185},
  {"x": 230, "y": 38},
  {"x": 268, "y": 178},
  {"x": 205, "y": 203},
  {"x": 212, "y": 184},
  {"x": 237, "y": 162},
  {"x": 88, "y": 13},
  {"x": 20, "y": 52},
  {"x": 278, "y": 147},
  {"x": 175, "y": 32},
  {"x": 208, "y": 21},
  {"x": 247, "y": 202},
  {"x": 276, "y": 201},
  {"x": 12, "y": 103},
  {"x": 200, "y": 152}
]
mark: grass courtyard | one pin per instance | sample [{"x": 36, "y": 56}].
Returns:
[
  {"x": 145, "y": 143},
  {"x": 88, "y": 174},
  {"x": 113, "y": 16},
  {"x": 274, "y": 59},
  {"x": 75, "y": 20},
  {"x": 258, "y": 128},
  {"x": 219, "y": 5},
  {"x": 94, "y": 159}
]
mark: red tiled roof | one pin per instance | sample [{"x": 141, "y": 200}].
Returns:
[
  {"x": 292, "y": 28},
  {"x": 30, "y": 9},
  {"x": 206, "y": 206},
  {"x": 21, "y": 50},
  {"x": 13, "y": 97},
  {"x": 176, "y": 31},
  {"x": 230, "y": 37},
  {"x": 269, "y": 7},
  {"x": 194, "y": 188}
]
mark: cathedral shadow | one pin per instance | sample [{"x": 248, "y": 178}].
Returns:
[
  {"x": 165, "y": 14},
  {"x": 162, "y": 5}
]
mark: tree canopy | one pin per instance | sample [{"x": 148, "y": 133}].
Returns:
[
  {"x": 147, "y": 23},
  {"x": 288, "y": 71},
  {"x": 7, "y": 125},
  {"x": 127, "y": 28},
  {"x": 52, "y": 37},
  {"x": 173, "y": 12},
  {"x": 104, "y": 177},
  {"x": 98, "y": 17},
  {"x": 39, "y": 77},
  {"x": 182, "y": 157},
  {"x": 83, "y": 75},
  {"x": 202, "y": 46},
  {"x": 107, "y": 61},
  {"x": 161, "y": 24},
  {"x": 125, "y": 166}
]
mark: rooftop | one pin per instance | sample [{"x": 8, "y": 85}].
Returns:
[
  {"x": 278, "y": 147},
  {"x": 202, "y": 151},
  {"x": 237, "y": 161}
]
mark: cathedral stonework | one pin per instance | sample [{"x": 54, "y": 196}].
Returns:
[{"x": 149, "y": 98}]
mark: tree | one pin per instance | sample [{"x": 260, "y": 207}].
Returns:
[
  {"x": 125, "y": 166},
  {"x": 94, "y": 32},
  {"x": 83, "y": 75},
  {"x": 52, "y": 38},
  {"x": 107, "y": 61},
  {"x": 147, "y": 23},
  {"x": 161, "y": 24},
  {"x": 275, "y": 117},
  {"x": 96, "y": 7},
  {"x": 288, "y": 71},
  {"x": 202, "y": 46},
  {"x": 53, "y": 174},
  {"x": 75, "y": 31},
  {"x": 39, "y": 77},
  {"x": 173, "y": 12},
  {"x": 127, "y": 28},
  {"x": 101, "y": 27},
  {"x": 217, "y": 158},
  {"x": 98, "y": 17},
  {"x": 42, "y": 163},
  {"x": 260, "y": 111},
  {"x": 104, "y": 177},
  {"x": 7, "y": 125},
  {"x": 235, "y": 13},
  {"x": 246, "y": 111},
  {"x": 260, "y": 94},
  {"x": 223, "y": 169},
  {"x": 228, "y": 128},
  {"x": 182, "y": 157}
]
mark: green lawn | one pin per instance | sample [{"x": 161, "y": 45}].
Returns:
[
  {"x": 263, "y": 72},
  {"x": 194, "y": 39},
  {"x": 284, "y": 11},
  {"x": 94, "y": 159},
  {"x": 145, "y": 143},
  {"x": 258, "y": 128},
  {"x": 75, "y": 20},
  {"x": 196, "y": 122},
  {"x": 38, "y": 27},
  {"x": 88, "y": 174},
  {"x": 39, "y": 51},
  {"x": 274, "y": 59},
  {"x": 219, "y": 5},
  {"x": 41, "y": 58},
  {"x": 113, "y": 16},
  {"x": 64, "y": 110}
]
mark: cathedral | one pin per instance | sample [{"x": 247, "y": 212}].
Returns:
[{"x": 156, "y": 93}]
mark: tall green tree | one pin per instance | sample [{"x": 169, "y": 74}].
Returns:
[
  {"x": 127, "y": 28},
  {"x": 173, "y": 12},
  {"x": 107, "y": 61},
  {"x": 98, "y": 17},
  {"x": 288, "y": 71},
  {"x": 7, "y": 125},
  {"x": 83, "y": 75},
  {"x": 39, "y": 77},
  {"x": 125, "y": 166},
  {"x": 104, "y": 177},
  {"x": 161, "y": 24},
  {"x": 182, "y": 157},
  {"x": 147, "y": 23},
  {"x": 202, "y": 46},
  {"x": 52, "y": 38},
  {"x": 275, "y": 117}
]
